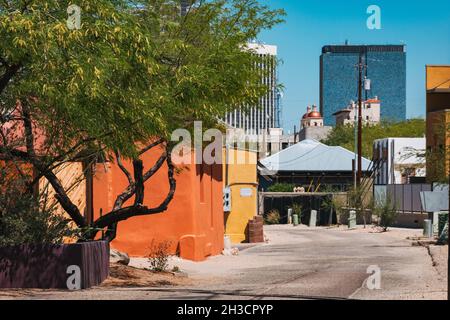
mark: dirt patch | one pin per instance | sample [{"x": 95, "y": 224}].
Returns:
[
  {"x": 439, "y": 258},
  {"x": 126, "y": 276}
]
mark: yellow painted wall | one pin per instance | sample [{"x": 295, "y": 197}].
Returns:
[
  {"x": 242, "y": 174},
  {"x": 438, "y": 117},
  {"x": 72, "y": 178},
  {"x": 437, "y": 77}
]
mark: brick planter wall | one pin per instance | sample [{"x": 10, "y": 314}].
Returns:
[
  {"x": 45, "y": 266},
  {"x": 255, "y": 230}
]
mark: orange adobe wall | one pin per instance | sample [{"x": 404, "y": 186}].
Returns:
[{"x": 193, "y": 223}]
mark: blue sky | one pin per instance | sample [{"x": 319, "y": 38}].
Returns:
[{"x": 424, "y": 26}]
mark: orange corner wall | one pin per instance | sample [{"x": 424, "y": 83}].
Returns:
[{"x": 193, "y": 223}]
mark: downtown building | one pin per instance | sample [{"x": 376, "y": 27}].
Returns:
[
  {"x": 386, "y": 69},
  {"x": 258, "y": 120}
]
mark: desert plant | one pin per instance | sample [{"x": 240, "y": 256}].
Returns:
[
  {"x": 158, "y": 255},
  {"x": 272, "y": 217},
  {"x": 297, "y": 209},
  {"x": 386, "y": 213},
  {"x": 25, "y": 218},
  {"x": 334, "y": 202},
  {"x": 359, "y": 200}
]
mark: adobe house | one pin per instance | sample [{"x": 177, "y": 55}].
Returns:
[{"x": 193, "y": 223}]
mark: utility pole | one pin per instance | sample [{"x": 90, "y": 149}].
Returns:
[{"x": 360, "y": 72}]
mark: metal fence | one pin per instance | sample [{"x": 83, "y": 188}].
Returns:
[{"x": 406, "y": 197}]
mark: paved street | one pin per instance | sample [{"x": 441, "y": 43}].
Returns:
[{"x": 298, "y": 263}]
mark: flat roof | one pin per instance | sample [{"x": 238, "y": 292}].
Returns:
[{"x": 363, "y": 48}]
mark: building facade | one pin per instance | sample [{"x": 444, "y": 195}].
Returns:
[
  {"x": 259, "y": 119},
  {"x": 311, "y": 125},
  {"x": 438, "y": 122},
  {"x": 192, "y": 226},
  {"x": 370, "y": 113},
  {"x": 386, "y": 68},
  {"x": 397, "y": 160},
  {"x": 240, "y": 177}
]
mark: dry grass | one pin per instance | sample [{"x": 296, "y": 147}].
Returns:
[{"x": 126, "y": 276}]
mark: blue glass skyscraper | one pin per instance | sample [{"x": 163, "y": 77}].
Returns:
[{"x": 386, "y": 68}]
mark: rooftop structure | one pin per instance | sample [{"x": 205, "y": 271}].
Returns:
[{"x": 370, "y": 113}]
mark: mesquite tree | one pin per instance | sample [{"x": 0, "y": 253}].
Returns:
[{"x": 116, "y": 85}]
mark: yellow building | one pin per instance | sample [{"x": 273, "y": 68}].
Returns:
[
  {"x": 240, "y": 176},
  {"x": 438, "y": 121}
]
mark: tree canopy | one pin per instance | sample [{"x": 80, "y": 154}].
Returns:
[
  {"x": 132, "y": 73},
  {"x": 134, "y": 69},
  {"x": 344, "y": 136}
]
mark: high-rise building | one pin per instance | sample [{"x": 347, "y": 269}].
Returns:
[
  {"x": 257, "y": 120},
  {"x": 386, "y": 69}
]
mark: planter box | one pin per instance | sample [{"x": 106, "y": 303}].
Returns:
[{"x": 47, "y": 266}]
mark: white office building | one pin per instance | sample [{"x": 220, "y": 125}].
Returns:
[{"x": 258, "y": 120}]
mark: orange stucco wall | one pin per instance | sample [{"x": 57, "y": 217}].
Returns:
[{"x": 193, "y": 223}]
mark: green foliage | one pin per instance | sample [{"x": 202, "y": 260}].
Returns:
[
  {"x": 360, "y": 199},
  {"x": 297, "y": 209},
  {"x": 272, "y": 217},
  {"x": 26, "y": 220},
  {"x": 134, "y": 70},
  {"x": 344, "y": 136},
  {"x": 386, "y": 213},
  {"x": 281, "y": 187},
  {"x": 438, "y": 155}
]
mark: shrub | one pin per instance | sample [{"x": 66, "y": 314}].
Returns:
[
  {"x": 159, "y": 255},
  {"x": 25, "y": 219},
  {"x": 361, "y": 201},
  {"x": 272, "y": 217},
  {"x": 386, "y": 213},
  {"x": 281, "y": 187},
  {"x": 297, "y": 209}
]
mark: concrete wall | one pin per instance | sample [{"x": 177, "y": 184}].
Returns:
[{"x": 315, "y": 133}]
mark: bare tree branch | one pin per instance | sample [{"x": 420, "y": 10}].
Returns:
[
  {"x": 139, "y": 182},
  {"x": 122, "y": 167},
  {"x": 150, "y": 146},
  {"x": 121, "y": 214}
]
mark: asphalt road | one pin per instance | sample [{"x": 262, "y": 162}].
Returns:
[{"x": 299, "y": 263}]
